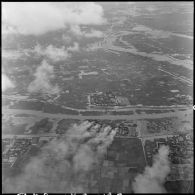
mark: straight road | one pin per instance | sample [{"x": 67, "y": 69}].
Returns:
[{"x": 101, "y": 117}]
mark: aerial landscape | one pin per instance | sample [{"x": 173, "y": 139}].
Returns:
[{"x": 97, "y": 97}]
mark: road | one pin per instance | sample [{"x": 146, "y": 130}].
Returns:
[
  {"x": 101, "y": 117},
  {"x": 51, "y": 135},
  {"x": 80, "y": 117},
  {"x": 100, "y": 108},
  {"x": 108, "y": 44},
  {"x": 177, "y": 77}
]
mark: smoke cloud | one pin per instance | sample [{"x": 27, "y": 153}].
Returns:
[
  {"x": 153, "y": 178},
  {"x": 44, "y": 73},
  {"x": 56, "y": 54},
  {"x": 73, "y": 48},
  {"x": 93, "y": 33},
  {"x": 6, "y": 83},
  {"x": 64, "y": 164},
  {"x": 40, "y": 17}
]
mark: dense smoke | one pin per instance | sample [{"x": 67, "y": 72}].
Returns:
[
  {"x": 73, "y": 48},
  {"x": 55, "y": 54},
  {"x": 42, "y": 82},
  {"x": 153, "y": 178},
  {"x": 64, "y": 164},
  {"x": 93, "y": 33},
  {"x": 6, "y": 83}
]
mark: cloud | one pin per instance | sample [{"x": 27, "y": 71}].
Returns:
[
  {"x": 93, "y": 33},
  {"x": 7, "y": 29},
  {"x": 41, "y": 84},
  {"x": 40, "y": 17},
  {"x": 64, "y": 164},
  {"x": 6, "y": 83},
  {"x": 153, "y": 178}
]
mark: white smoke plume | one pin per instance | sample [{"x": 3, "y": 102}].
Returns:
[
  {"x": 40, "y": 17},
  {"x": 42, "y": 84},
  {"x": 52, "y": 53},
  {"x": 66, "y": 39},
  {"x": 93, "y": 33},
  {"x": 153, "y": 178},
  {"x": 6, "y": 83},
  {"x": 56, "y": 54},
  {"x": 73, "y": 48},
  {"x": 64, "y": 164}
]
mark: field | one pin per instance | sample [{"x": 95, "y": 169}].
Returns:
[
  {"x": 133, "y": 76},
  {"x": 179, "y": 186},
  {"x": 124, "y": 159},
  {"x": 64, "y": 125},
  {"x": 16, "y": 129},
  {"x": 42, "y": 126},
  {"x": 128, "y": 152},
  {"x": 116, "y": 179}
]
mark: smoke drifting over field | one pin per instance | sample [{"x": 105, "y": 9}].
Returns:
[
  {"x": 6, "y": 82},
  {"x": 63, "y": 165},
  {"x": 56, "y": 54},
  {"x": 93, "y": 33},
  {"x": 153, "y": 178},
  {"x": 44, "y": 73}
]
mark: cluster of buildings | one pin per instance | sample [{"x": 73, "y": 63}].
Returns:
[
  {"x": 13, "y": 149},
  {"x": 151, "y": 148},
  {"x": 123, "y": 128},
  {"x": 181, "y": 172},
  {"x": 103, "y": 99},
  {"x": 181, "y": 148},
  {"x": 108, "y": 99},
  {"x": 181, "y": 99},
  {"x": 127, "y": 130},
  {"x": 158, "y": 125},
  {"x": 180, "y": 154}
]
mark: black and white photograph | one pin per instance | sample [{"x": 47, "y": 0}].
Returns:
[{"x": 97, "y": 97}]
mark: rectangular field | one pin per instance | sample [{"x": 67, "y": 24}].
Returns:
[{"x": 127, "y": 152}]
